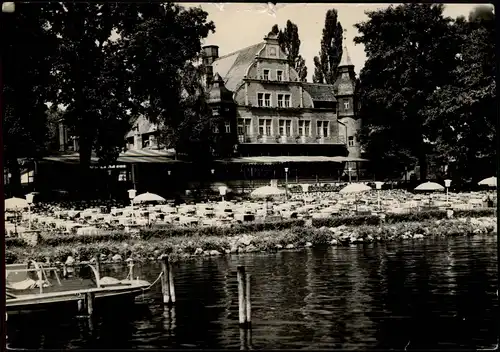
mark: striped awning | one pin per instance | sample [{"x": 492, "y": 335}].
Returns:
[
  {"x": 72, "y": 158},
  {"x": 289, "y": 159},
  {"x": 147, "y": 156}
]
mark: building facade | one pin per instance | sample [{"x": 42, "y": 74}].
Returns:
[{"x": 277, "y": 115}]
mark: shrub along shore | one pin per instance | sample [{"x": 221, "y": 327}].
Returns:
[{"x": 151, "y": 243}]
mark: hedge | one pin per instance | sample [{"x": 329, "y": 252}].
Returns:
[
  {"x": 167, "y": 231},
  {"x": 358, "y": 220}
]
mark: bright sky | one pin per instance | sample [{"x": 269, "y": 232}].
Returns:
[{"x": 239, "y": 25}]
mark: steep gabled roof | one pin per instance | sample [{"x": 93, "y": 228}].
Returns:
[
  {"x": 320, "y": 92},
  {"x": 143, "y": 125},
  {"x": 233, "y": 67}
]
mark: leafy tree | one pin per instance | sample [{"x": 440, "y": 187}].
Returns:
[
  {"x": 462, "y": 113},
  {"x": 160, "y": 48},
  {"x": 90, "y": 78},
  {"x": 325, "y": 65},
  {"x": 411, "y": 50},
  {"x": 26, "y": 63},
  {"x": 290, "y": 44}
]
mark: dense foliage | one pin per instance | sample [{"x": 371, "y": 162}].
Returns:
[
  {"x": 98, "y": 66},
  {"x": 427, "y": 90}
]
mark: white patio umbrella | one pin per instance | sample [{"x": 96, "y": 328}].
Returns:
[
  {"x": 355, "y": 188},
  {"x": 490, "y": 182},
  {"x": 148, "y": 197},
  {"x": 267, "y": 192},
  {"x": 429, "y": 187},
  {"x": 14, "y": 204}
]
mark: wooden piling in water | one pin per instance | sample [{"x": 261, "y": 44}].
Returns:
[
  {"x": 240, "y": 274},
  {"x": 89, "y": 302},
  {"x": 248, "y": 301},
  {"x": 171, "y": 285},
  {"x": 98, "y": 269},
  {"x": 165, "y": 290}
]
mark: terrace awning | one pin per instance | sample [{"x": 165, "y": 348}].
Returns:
[
  {"x": 72, "y": 158},
  {"x": 147, "y": 156},
  {"x": 289, "y": 159}
]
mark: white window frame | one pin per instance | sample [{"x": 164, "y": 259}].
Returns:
[
  {"x": 351, "y": 141},
  {"x": 284, "y": 102},
  {"x": 302, "y": 128},
  {"x": 227, "y": 127},
  {"x": 263, "y": 122},
  {"x": 283, "y": 124},
  {"x": 259, "y": 100},
  {"x": 320, "y": 128},
  {"x": 280, "y": 75},
  {"x": 242, "y": 123},
  {"x": 268, "y": 74},
  {"x": 346, "y": 105},
  {"x": 264, "y": 100}
]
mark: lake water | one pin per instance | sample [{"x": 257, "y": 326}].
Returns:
[{"x": 429, "y": 294}]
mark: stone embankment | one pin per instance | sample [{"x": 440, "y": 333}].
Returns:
[{"x": 185, "y": 247}]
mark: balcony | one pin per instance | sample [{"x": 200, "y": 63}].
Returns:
[
  {"x": 243, "y": 138},
  {"x": 320, "y": 139}
]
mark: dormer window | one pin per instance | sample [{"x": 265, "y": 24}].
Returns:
[
  {"x": 272, "y": 51},
  {"x": 265, "y": 75},
  {"x": 279, "y": 75}
]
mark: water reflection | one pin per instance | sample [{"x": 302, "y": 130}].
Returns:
[{"x": 435, "y": 294}]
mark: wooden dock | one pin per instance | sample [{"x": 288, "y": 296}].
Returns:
[{"x": 82, "y": 291}]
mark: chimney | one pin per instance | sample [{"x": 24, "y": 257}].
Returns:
[{"x": 210, "y": 54}]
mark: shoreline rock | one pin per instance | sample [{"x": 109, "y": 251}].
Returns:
[{"x": 265, "y": 241}]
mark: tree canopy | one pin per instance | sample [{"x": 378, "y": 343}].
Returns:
[
  {"x": 411, "y": 51},
  {"x": 428, "y": 89},
  {"x": 26, "y": 84},
  {"x": 290, "y": 44},
  {"x": 325, "y": 65}
]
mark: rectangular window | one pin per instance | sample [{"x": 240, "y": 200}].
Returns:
[
  {"x": 323, "y": 128},
  {"x": 285, "y": 128},
  {"x": 264, "y": 99},
  {"x": 227, "y": 126},
  {"x": 244, "y": 126},
  {"x": 267, "y": 99},
  {"x": 265, "y": 127},
  {"x": 279, "y": 75},
  {"x": 215, "y": 128},
  {"x": 287, "y": 101},
  {"x": 284, "y": 100},
  {"x": 346, "y": 105},
  {"x": 351, "y": 141},
  {"x": 304, "y": 128},
  {"x": 265, "y": 75}
]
